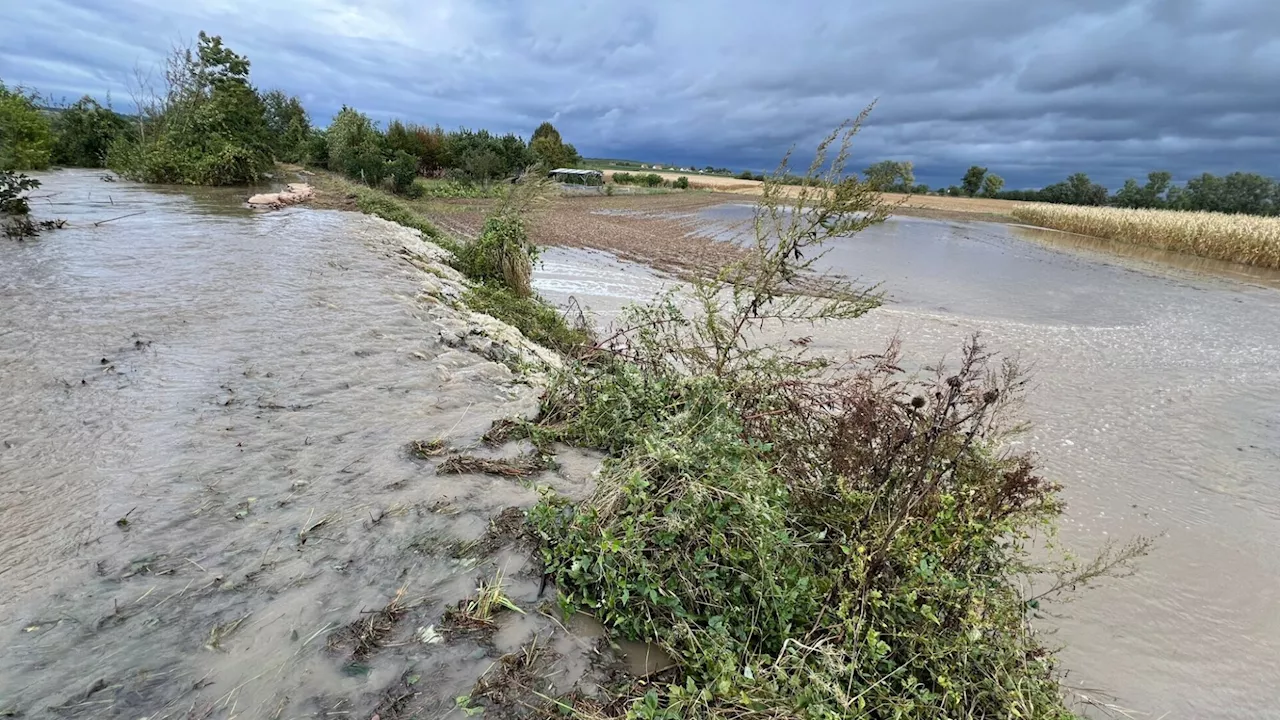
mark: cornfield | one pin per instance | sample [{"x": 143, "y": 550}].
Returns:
[{"x": 1246, "y": 239}]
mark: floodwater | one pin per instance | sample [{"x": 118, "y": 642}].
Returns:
[
  {"x": 1156, "y": 403},
  {"x": 204, "y": 475},
  {"x": 204, "y": 420}
]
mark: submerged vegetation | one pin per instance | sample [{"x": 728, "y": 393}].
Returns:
[{"x": 1246, "y": 239}]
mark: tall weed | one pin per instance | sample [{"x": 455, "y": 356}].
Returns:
[{"x": 806, "y": 539}]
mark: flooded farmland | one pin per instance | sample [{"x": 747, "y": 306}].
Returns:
[
  {"x": 206, "y": 480},
  {"x": 1156, "y": 403}
]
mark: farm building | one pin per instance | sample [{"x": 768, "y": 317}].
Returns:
[{"x": 573, "y": 176}]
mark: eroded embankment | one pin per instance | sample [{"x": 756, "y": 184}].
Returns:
[{"x": 221, "y": 472}]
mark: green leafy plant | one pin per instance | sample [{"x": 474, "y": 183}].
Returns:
[
  {"x": 25, "y": 138},
  {"x": 288, "y": 124},
  {"x": 207, "y": 126},
  {"x": 84, "y": 133},
  {"x": 403, "y": 169},
  {"x": 805, "y": 539},
  {"x": 13, "y": 189}
]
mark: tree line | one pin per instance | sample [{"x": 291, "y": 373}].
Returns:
[
  {"x": 208, "y": 125},
  {"x": 1237, "y": 192}
]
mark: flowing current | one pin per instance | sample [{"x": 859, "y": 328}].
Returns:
[
  {"x": 1155, "y": 403},
  {"x": 204, "y": 415},
  {"x": 205, "y": 475}
]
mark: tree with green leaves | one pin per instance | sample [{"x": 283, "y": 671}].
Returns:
[
  {"x": 1130, "y": 195},
  {"x": 891, "y": 176},
  {"x": 972, "y": 182},
  {"x": 26, "y": 142},
  {"x": 482, "y": 157},
  {"x": 547, "y": 130},
  {"x": 549, "y": 149},
  {"x": 208, "y": 127},
  {"x": 992, "y": 184},
  {"x": 13, "y": 192},
  {"x": 84, "y": 132},
  {"x": 288, "y": 124},
  {"x": 356, "y": 147}
]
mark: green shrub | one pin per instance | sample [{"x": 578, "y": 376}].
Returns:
[
  {"x": 367, "y": 165},
  {"x": 288, "y": 124},
  {"x": 806, "y": 540},
  {"x": 404, "y": 170},
  {"x": 730, "y": 540},
  {"x": 457, "y": 189},
  {"x": 478, "y": 156},
  {"x": 315, "y": 150},
  {"x": 532, "y": 316},
  {"x": 501, "y": 254},
  {"x": 13, "y": 189},
  {"x": 25, "y": 138},
  {"x": 209, "y": 127},
  {"x": 84, "y": 133},
  {"x": 647, "y": 180},
  {"x": 681, "y": 183}
]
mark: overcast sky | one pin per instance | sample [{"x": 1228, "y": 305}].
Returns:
[{"x": 1033, "y": 89}]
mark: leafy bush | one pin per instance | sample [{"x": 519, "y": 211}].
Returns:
[
  {"x": 681, "y": 183},
  {"x": 25, "y": 139},
  {"x": 533, "y": 317},
  {"x": 315, "y": 151},
  {"x": 502, "y": 253},
  {"x": 404, "y": 170},
  {"x": 288, "y": 124},
  {"x": 455, "y": 189},
  {"x": 647, "y": 179},
  {"x": 84, "y": 133},
  {"x": 13, "y": 189},
  {"x": 355, "y": 147},
  {"x": 806, "y": 540},
  {"x": 207, "y": 128}
]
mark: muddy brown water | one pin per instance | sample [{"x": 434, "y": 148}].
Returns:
[
  {"x": 225, "y": 380},
  {"x": 1156, "y": 403},
  {"x": 204, "y": 473}
]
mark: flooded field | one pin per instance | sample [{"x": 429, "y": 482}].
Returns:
[
  {"x": 1156, "y": 403},
  {"x": 209, "y": 496},
  {"x": 210, "y": 508}
]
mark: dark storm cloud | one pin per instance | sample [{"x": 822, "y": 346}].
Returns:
[{"x": 1033, "y": 90}]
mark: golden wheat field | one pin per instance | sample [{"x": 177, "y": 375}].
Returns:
[{"x": 1246, "y": 239}]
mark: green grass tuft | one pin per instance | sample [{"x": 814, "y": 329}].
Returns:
[{"x": 539, "y": 322}]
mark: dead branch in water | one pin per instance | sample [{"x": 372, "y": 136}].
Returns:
[
  {"x": 522, "y": 466},
  {"x": 121, "y": 217}
]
